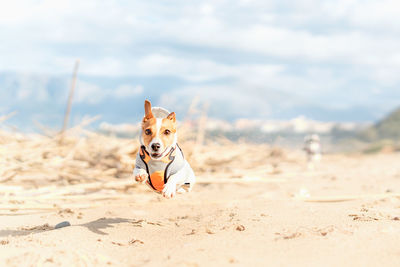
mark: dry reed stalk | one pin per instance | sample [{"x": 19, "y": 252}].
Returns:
[
  {"x": 8, "y": 116},
  {"x": 70, "y": 96}
]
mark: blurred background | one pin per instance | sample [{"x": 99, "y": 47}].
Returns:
[
  {"x": 289, "y": 115},
  {"x": 264, "y": 71}
]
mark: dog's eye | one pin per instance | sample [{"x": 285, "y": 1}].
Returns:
[
  {"x": 147, "y": 132},
  {"x": 167, "y": 132}
]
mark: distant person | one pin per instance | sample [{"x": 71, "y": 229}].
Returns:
[{"x": 312, "y": 147}]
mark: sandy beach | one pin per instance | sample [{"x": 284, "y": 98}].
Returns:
[{"x": 345, "y": 213}]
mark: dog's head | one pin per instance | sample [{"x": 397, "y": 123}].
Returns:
[{"x": 158, "y": 131}]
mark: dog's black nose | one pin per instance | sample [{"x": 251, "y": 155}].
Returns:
[{"x": 155, "y": 147}]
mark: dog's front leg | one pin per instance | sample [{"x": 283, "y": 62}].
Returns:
[
  {"x": 140, "y": 175},
  {"x": 169, "y": 190}
]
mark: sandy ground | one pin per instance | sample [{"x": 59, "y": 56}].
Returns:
[{"x": 272, "y": 221}]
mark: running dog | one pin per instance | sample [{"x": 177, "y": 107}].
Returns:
[{"x": 160, "y": 162}]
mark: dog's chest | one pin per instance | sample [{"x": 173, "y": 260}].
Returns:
[{"x": 157, "y": 166}]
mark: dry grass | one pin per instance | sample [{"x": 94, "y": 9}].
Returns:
[
  {"x": 55, "y": 171},
  {"x": 82, "y": 156}
]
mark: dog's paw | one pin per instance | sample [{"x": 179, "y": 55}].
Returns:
[
  {"x": 169, "y": 190},
  {"x": 141, "y": 176}
]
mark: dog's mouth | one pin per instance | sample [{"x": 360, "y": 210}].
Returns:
[{"x": 156, "y": 155}]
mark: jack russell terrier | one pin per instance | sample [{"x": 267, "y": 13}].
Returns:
[{"x": 160, "y": 161}]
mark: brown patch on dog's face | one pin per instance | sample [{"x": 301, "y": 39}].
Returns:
[
  {"x": 149, "y": 124},
  {"x": 168, "y": 130},
  {"x": 149, "y": 130}
]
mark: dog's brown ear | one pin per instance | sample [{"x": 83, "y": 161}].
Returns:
[
  {"x": 147, "y": 111},
  {"x": 172, "y": 117}
]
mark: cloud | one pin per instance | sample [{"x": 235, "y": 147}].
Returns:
[
  {"x": 199, "y": 69},
  {"x": 336, "y": 52},
  {"x": 91, "y": 93},
  {"x": 222, "y": 101},
  {"x": 126, "y": 91},
  {"x": 114, "y": 26},
  {"x": 31, "y": 87}
]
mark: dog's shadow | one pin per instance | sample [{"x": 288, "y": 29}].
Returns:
[
  {"x": 103, "y": 223},
  {"x": 94, "y": 226}
]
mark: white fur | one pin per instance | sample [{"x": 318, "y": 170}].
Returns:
[
  {"x": 176, "y": 181},
  {"x": 140, "y": 175},
  {"x": 157, "y": 138}
]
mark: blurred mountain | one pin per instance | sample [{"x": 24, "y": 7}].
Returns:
[
  {"x": 42, "y": 98},
  {"x": 387, "y": 128}
]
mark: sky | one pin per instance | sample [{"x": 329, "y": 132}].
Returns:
[{"x": 327, "y": 60}]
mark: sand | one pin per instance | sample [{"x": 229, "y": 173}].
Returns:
[{"x": 345, "y": 213}]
